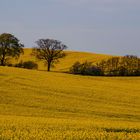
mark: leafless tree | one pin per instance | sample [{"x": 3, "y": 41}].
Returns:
[{"x": 49, "y": 50}]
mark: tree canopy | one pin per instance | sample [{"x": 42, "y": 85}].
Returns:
[
  {"x": 49, "y": 50},
  {"x": 10, "y": 47},
  {"x": 128, "y": 65}
]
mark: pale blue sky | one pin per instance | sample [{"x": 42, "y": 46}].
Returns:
[{"x": 100, "y": 26}]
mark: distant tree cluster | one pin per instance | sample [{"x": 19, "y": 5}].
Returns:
[
  {"x": 85, "y": 68},
  {"x": 116, "y": 66},
  {"x": 128, "y": 65}
]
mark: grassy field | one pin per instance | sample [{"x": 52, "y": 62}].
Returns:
[{"x": 37, "y": 105}]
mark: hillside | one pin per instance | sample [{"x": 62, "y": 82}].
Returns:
[
  {"x": 65, "y": 63},
  {"x": 42, "y": 105}
]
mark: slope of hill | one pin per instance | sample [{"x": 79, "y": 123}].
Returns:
[
  {"x": 66, "y": 62},
  {"x": 42, "y": 105}
]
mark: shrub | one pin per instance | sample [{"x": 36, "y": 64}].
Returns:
[
  {"x": 10, "y": 65},
  {"x": 85, "y": 68},
  {"x": 27, "y": 65},
  {"x": 75, "y": 69}
]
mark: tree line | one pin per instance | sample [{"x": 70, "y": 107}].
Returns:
[
  {"x": 51, "y": 50},
  {"x": 128, "y": 65}
]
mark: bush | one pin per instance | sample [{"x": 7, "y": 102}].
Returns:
[
  {"x": 85, "y": 68},
  {"x": 27, "y": 65},
  {"x": 75, "y": 69},
  {"x": 10, "y": 65}
]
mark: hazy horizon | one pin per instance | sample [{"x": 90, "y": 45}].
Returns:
[{"x": 105, "y": 26}]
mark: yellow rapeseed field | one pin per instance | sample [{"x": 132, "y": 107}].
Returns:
[
  {"x": 65, "y": 63},
  {"x": 40, "y": 105}
]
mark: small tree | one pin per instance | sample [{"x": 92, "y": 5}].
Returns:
[
  {"x": 9, "y": 48},
  {"x": 49, "y": 50}
]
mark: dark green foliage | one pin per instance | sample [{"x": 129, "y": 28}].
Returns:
[
  {"x": 10, "y": 65},
  {"x": 49, "y": 50},
  {"x": 85, "y": 68},
  {"x": 10, "y": 47},
  {"x": 27, "y": 65},
  {"x": 128, "y": 65},
  {"x": 75, "y": 69}
]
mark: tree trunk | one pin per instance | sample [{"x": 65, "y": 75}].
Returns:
[
  {"x": 49, "y": 66},
  {"x": 3, "y": 59},
  {"x": 2, "y": 62}
]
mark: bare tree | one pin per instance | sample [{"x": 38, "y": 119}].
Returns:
[{"x": 49, "y": 50}]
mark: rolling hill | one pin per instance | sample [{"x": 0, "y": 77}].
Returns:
[
  {"x": 51, "y": 105},
  {"x": 65, "y": 63}
]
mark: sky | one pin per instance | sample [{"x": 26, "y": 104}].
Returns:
[{"x": 98, "y": 26}]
